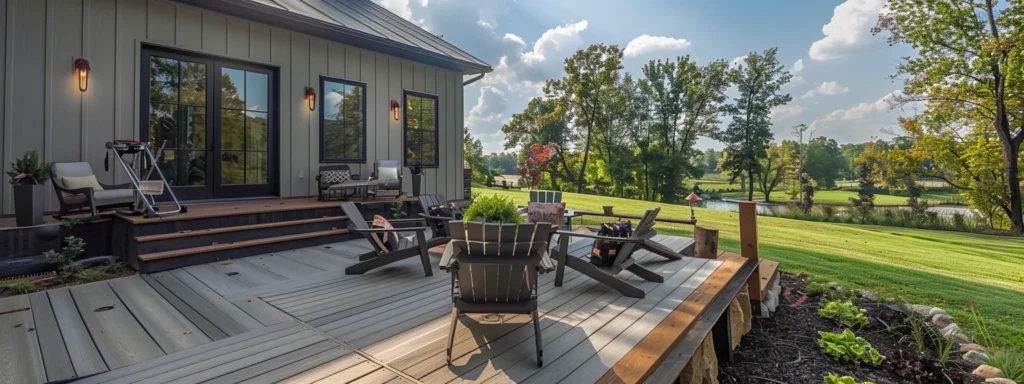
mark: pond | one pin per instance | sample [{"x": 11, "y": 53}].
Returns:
[{"x": 767, "y": 209}]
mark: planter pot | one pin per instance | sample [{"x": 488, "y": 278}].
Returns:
[
  {"x": 28, "y": 204},
  {"x": 608, "y": 209},
  {"x": 417, "y": 182}
]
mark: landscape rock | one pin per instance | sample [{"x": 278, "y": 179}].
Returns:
[
  {"x": 999, "y": 380},
  {"x": 937, "y": 311},
  {"x": 953, "y": 332},
  {"x": 835, "y": 286},
  {"x": 867, "y": 294},
  {"x": 942, "y": 320},
  {"x": 771, "y": 300},
  {"x": 740, "y": 316},
  {"x": 976, "y": 357},
  {"x": 922, "y": 310},
  {"x": 971, "y": 347},
  {"x": 703, "y": 366},
  {"x": 988, "y": 371}
]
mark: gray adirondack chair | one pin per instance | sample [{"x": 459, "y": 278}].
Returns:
[
  {"x": 408, "y": 246},
  {"x": 576, "y": 257},
  {"x": 438, "y": 224},
  {"x": 494, "y": 269},
  {"x": 546, "y": 196}
]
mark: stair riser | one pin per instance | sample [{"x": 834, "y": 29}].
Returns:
[
  {"x": 233, "y": 221},
  {"x": 199, "y": 239},
  {"x": 209, "y": 257}
]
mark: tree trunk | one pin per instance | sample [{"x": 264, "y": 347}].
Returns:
[
  {"x": 583, "y": 168},
  {"x": 1011, "y": 152},
  {"x": 750, "y": 179}
]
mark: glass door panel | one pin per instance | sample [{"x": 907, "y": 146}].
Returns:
[
  {"x": 178, "y": 123},
  {"x": 244, "y": 130}
]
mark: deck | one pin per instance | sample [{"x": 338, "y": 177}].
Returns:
[{"x": 294, "y": 316}]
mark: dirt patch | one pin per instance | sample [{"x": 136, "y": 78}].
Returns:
[{"x": 784, "y": 348}]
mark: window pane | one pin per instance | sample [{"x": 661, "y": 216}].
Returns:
[
  {"x": 232, "y": 167},
  {"x": 343, "y": 115},
  {"x": 256, "y": 91},
  {"x": 420, "y": 130},
  {"x": 163, "y": 80},
  {"x": 232, "y": 125},
  {"x": 183, "y": 167},
  {"x": 232, "y": 87},
  {"x": 193, "y": 130},
  {"x": 255, "y": 167},
  {"x": 193, "y": 83},
  {"x": 163, "y": 125},
  {"x": 256, "y": 131}
]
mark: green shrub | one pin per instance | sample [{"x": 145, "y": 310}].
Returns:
[
  {"x": 493, "y": 209},
  {"x": 21, "y": 287},
  {"x": 66, "y": 256},
  {"x": 833, "y": 379},
  {"x": 1010, "y": 361},
  {"x": 91, "y": 275},
  {"x": 28, "y": 170},
  {"x": 112, "y": 266},
  {"x": 848, "y": 346},
  {"x": 845, "y": 313},
  {"x": 815, "y": 289}
]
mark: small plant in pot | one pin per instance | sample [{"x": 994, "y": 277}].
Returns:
[
  {"x": 27, "y": 176},
  {"x": 493, "y": 209}
]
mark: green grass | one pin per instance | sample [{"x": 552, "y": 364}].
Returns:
[
  {"x": 843, "y": 197},
  {"x": 919, "y": 266}
]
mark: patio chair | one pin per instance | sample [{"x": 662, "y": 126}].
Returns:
[
  {"x": 640, "y": 240},
  {"x": 324, "y": 184},
  {"x": 389, "y": 175},
  {"x": 494, "y": 269},
  {"x": 545, "y": 196},
  {"x": 91, "y": 198},
  {"x": 408, "y": 246},
  {"x": 438, "y": 224}
]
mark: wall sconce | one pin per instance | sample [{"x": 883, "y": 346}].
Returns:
[
  {"x": 82, "y": 71},
  {"x": 396, "y": 110},
  {"x": 311, "y": 98}
]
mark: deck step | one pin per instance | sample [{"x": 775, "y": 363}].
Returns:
[
  {"x": 158, "y": 261},
  {"x": 766, "y": 270},
  {"x": 196, "y": 238}
]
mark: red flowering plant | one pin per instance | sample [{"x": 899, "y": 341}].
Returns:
[{"x": 532, "y": 169}]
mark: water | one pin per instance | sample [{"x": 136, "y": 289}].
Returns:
[{"x": 763, "y": 208}]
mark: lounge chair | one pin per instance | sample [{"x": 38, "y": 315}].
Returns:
[
  {"x": 438, "y": 224},
  {"x": 640, "y": 240},
  {"x": 408, "y": 245},
  {"x": 388, "y": 174},
  {"x": 89, "y": 198},
  {"x": 494, "y": 269},
  {"x": 545, "y": 196}
]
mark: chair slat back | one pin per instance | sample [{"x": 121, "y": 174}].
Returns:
[
  {"x": 498, "y": 262},
  {"x": 358, "y": 221},
  {"x": 427, "y": 201},
  {"x": 645, "y": 226},
  {"x": 545, "y": 196}
]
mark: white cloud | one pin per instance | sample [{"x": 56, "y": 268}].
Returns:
[
  {"x": 489, "y": 109},
  {"x": 524, "y": 71},
  {"x": 828, "y": 88},
  {"x": 645, "y": 44},
  {"x": 737, "y": 61},
  {"x": 786, "y": 112},
  {"x": 798, "y": 67},
  {"x": 795, "y": 70},
  {"x": 402, "y": 9},
  {"x": 552, "y": 41},
  {"x": 862, "y": 121},
  {"x": 849, "y": 30}
]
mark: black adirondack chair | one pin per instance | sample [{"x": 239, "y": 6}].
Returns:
[
  {"x": 439, "y": 224},
  {"x": 408, "y": 246},
  {"x": 576, "y": 257},
  {"x": 494, "y": 269}
]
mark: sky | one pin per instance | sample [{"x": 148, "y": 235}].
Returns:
[{"x": 841, "y": 71}]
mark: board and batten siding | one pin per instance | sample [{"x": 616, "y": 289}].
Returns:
[{"x": 44, "y": 110}]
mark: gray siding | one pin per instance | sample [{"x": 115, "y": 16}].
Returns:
[{"x": 43, "y": 109}]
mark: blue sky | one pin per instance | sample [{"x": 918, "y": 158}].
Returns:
[{"x": 841, "y": 70}]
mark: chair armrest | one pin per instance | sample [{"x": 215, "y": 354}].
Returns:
[
  {"x": 438, "y": 218},
  {"x": 596, "y": 237},
  {"x": 419, "y": 221},
  {"x": 386, "y": 230},
  {"x": 116, "y": 186},
  {"x": 447, "y": 257}
]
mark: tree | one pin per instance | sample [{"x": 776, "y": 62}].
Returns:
[
  {"x": 775, "y": 167},
  {"x": 801, "y": 181},
  {"x": 710, "y": 161},
  {"x": 760, "y": 79},
  {"x": 824, "y": 162},
  {"x": 867, "y": 170},
  {"x": 589, "y": 73},
  {"x": 539, "y": 123},
  {"x": 474, "y": 153},
  {"x": 967, "y": 73},
  {"x": 532, "y": 169}
]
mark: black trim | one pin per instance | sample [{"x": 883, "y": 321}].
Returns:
[
  {"x": 323, "y": 100},
  {"x": 405, "y": 130}
]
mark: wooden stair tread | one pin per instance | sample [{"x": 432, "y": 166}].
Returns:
[
  {"x": 238, "y": 228},
  {"x": 766, "y": 269},
  {"x": 238, "y": 244}
]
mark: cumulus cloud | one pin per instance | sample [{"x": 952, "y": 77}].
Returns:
[
  {"x": 645, "y": 44},
  {"x": 524, "y": 71},
  {"x": 798, "y": 66},
  {"x": 828, "y": 88},
  {"x": 862, "y": 121},
  {"x": 489, "y": 109},
  {"x": 737, "y": 61},
  {"x": 402, "y": 9},
  {"x": 786, "y": 112},
  {"x": 849, "y": 30},
  {"x": 795, "y": 70}
]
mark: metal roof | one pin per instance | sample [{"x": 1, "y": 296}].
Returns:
[{"x": 360, "y": 23}]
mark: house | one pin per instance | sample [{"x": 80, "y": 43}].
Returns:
[{"x": 249, "y": 97}]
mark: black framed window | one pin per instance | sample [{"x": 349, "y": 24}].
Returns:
[
  {"x": 420, "y": 129},
  {"x": 342, "y": 120}
]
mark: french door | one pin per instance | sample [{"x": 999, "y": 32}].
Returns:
[{"x": 216, "y": 120}]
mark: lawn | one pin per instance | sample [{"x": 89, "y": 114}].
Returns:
[
  {"x": 843, "y": 197},
  {"x": 914, "y": 265}
]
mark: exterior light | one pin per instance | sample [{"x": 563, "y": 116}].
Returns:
[
  {"x": 692, "y": 198},
  {"x": 396, "y": 110},
  {"x": 311, "y": 98},
  {"x": 82, "y": 71}
]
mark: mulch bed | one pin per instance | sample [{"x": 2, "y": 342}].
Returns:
[
  {"x": 784, "y": 348},
  {"x": 45, "y": 285}
]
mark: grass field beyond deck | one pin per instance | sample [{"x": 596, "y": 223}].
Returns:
[{"x": 919, "y": 266}]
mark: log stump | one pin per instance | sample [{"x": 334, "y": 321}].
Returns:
[{"x": 706, "y": 242}]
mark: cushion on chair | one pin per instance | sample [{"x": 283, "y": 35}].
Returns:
[
  {"x": 113, "y": 196},
  {"x": 553, "y": 213},
  {"x": 76, "y": 182},
  {"x": 77, "y": 169},
  {"x": 334, "y": 177},
  {"x": 385, "y": 240}
]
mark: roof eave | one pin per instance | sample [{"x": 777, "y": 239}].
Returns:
[{"x": 295, "y": 22}]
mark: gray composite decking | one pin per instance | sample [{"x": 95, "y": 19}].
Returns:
[{"x": 294, "y": 316}]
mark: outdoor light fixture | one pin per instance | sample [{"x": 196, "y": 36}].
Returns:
[
  {"x": 395, "y": 109},
  {"x": 692, "y": 198},
  {"x": 311, "y": 98},
  {"x": 82, "y": 70}
]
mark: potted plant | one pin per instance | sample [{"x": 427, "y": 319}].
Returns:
[
  {"x": 417, "y": 179},
  {"x": 493, "y": 209},
  {"x": 27, "y": 176}
]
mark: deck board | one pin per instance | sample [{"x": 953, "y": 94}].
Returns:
[
  {"x": 209, "y": 296},
  {"x": 54, "y": 353},
  {"x": 120, "y": 339},
  {"x": 317, "y": 258},
  {"x": 85, "y": 357},
  {"x": 246, "y": 272},
  {"x": 290, "y": 269},
  {"x": 178, "y": 299},
  {"x": 169, "y": 328},
  {"x": 219, "y": 282},
  {"x": 20, "y": 358}
]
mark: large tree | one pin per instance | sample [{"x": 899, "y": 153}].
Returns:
[
  {"x": 539, "y": 123},
  {"x": 969, "y": 57},
  {"x": 775, "y": 167},
  {"x": 474, "y": 154},
  {"x": 759, "y": 78},
  {"x": 589, "y": 73}
]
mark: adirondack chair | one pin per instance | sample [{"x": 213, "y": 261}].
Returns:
[
  {"x": 439, "y": 224},
  {"x": 494, "y": 269},
  {"x": 640, "y": 240},
  {"x": 408, "y": 246},
  {"x": 545, "y": 196}
]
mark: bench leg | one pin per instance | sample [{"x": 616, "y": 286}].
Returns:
[
  {"x": 421, "y": 239},
  {"x": 536, "y": 336},
  {"x": 451, "y": 332},
  {"x": 563, "y": 249}
]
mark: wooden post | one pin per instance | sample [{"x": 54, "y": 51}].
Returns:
[
  {"x": 748, "y": 249},
  {"x": 706, "y": 242}
]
